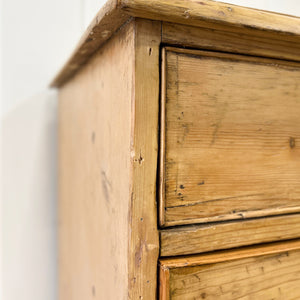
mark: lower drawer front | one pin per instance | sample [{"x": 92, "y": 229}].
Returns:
[{"x": 266, "y": 272}]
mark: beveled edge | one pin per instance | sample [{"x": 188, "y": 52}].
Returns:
[
  {"x": 205, "y": 13},
  {"x": 229, "y": 255}
]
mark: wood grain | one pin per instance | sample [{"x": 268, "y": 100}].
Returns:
[
  {"x": 264, "y": 272},
  {"x": 209, "y": 237},
  {"x": 215, "y": 14},
  {"x": 231, "y": 138},
  {"x": 95, "y": 174},
  {"x": 205, "y": 13},
  {"x": 229, "y": 41},
  {"x": 144, "y": 242},
  {"x": 108, "y": 116},
  {"x": 164, "y": 284}
]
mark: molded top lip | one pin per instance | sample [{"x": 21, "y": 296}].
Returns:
[{"x": 203, "y": 13}]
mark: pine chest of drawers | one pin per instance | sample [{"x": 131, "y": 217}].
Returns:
[{"x": 179, "y": 156}]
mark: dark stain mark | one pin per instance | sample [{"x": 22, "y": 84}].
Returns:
[
  {"x": 247, "y": 269},
  {"x": 150, "y": 51},
  {"x": 197, "y": 276},
  {"x": 139, "y": 252},
  {"x": 292, "y": 142},
  {"x": 138, "y": 256},
  {"x": 186, "y": 130},
  {"x": 201, "y": 3},
  {"x": 262, "y": 269},
  {"x": 106, "y": 186},
  {"x": 181, "y": 116},
  {"x": 234, "y": 211},
  {"x": 179, "y": 194},
  {"x": 148, "y": 281},
  {"x": 140, "y": 159},
  {"x": 203, "y": 295},
  {"x": 142, "y": 219},
  {"x": 201, "y": 183},
  {"x": 182, "y": 186},
  {"x": 221, "y": 112},
  {"x": 278, "y": 260},
  {"x": 93, "y": 291},
  {"x": 93, "y": 137}
]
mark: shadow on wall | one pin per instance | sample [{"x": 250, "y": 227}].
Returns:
[{"x": 30, "y": 198}]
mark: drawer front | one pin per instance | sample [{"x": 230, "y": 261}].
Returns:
[
  {"x": 267, "y": 272},
  {"x": 230, "y": 137}
]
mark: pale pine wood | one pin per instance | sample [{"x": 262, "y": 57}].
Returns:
[
  {"x": 231, "y": 138},
  {"x": 144, "y": 243},
  {"x": 229, "y": 255},
  {"x": 204, "y": 238},
  {"x": 95, "y": 129},
  {"x": 265, "y": 272},
  {"x": 274, "y": 276},
  {"x": 164, "y": 284},
  {"x": 108, "y": 20},
  {"x": 205, "y": 13},
  {"x": 108, "y": 163},
  {"x": 108, "y": 150},
  {"x": 229, "y": 41}
]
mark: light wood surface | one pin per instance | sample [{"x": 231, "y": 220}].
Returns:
[
  {"x": 95, "y": 174},
  {"x": 232, "y": 133},
  {"x": 228, "y": 255},
  {"x": 144, "y": 243},
  {"x": 108, "y": 120},
  {"x": 209, "y": 237},
  {"x": 264, "y": 272},
  {"x": 274, "y": 276},
  {"x": 205, "y": 13},
  {"x": 215, "y": 14},
  {"x": 228, "y": 141},
  {"x": 229, "y": 41}
]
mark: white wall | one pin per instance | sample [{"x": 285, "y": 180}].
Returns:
[
  {"x": 29, "y": 206},
  {"x": 36, "y": 38}
]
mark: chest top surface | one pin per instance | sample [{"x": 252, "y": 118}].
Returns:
[{"x": 202, "y": 14}]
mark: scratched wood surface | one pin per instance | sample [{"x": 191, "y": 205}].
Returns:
[
  {"x": 195, "y": 239},
  {"x": 108, "y": 136},
  {"x": 230, "y": 137},
  {"x": 143, "y": 240},
  {"x": 265, "y": 272},
  {"x": 213, "y": 15},
  {"x": 94, "y": 174},
  {"x": 229, "y": 41}
]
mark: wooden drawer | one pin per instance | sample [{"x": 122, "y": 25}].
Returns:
[
  {"x": 230, "y": 136},
  {"x": 265, "y": 272}
]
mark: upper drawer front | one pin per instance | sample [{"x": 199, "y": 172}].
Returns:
[{"x": 230, "y": 137}]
